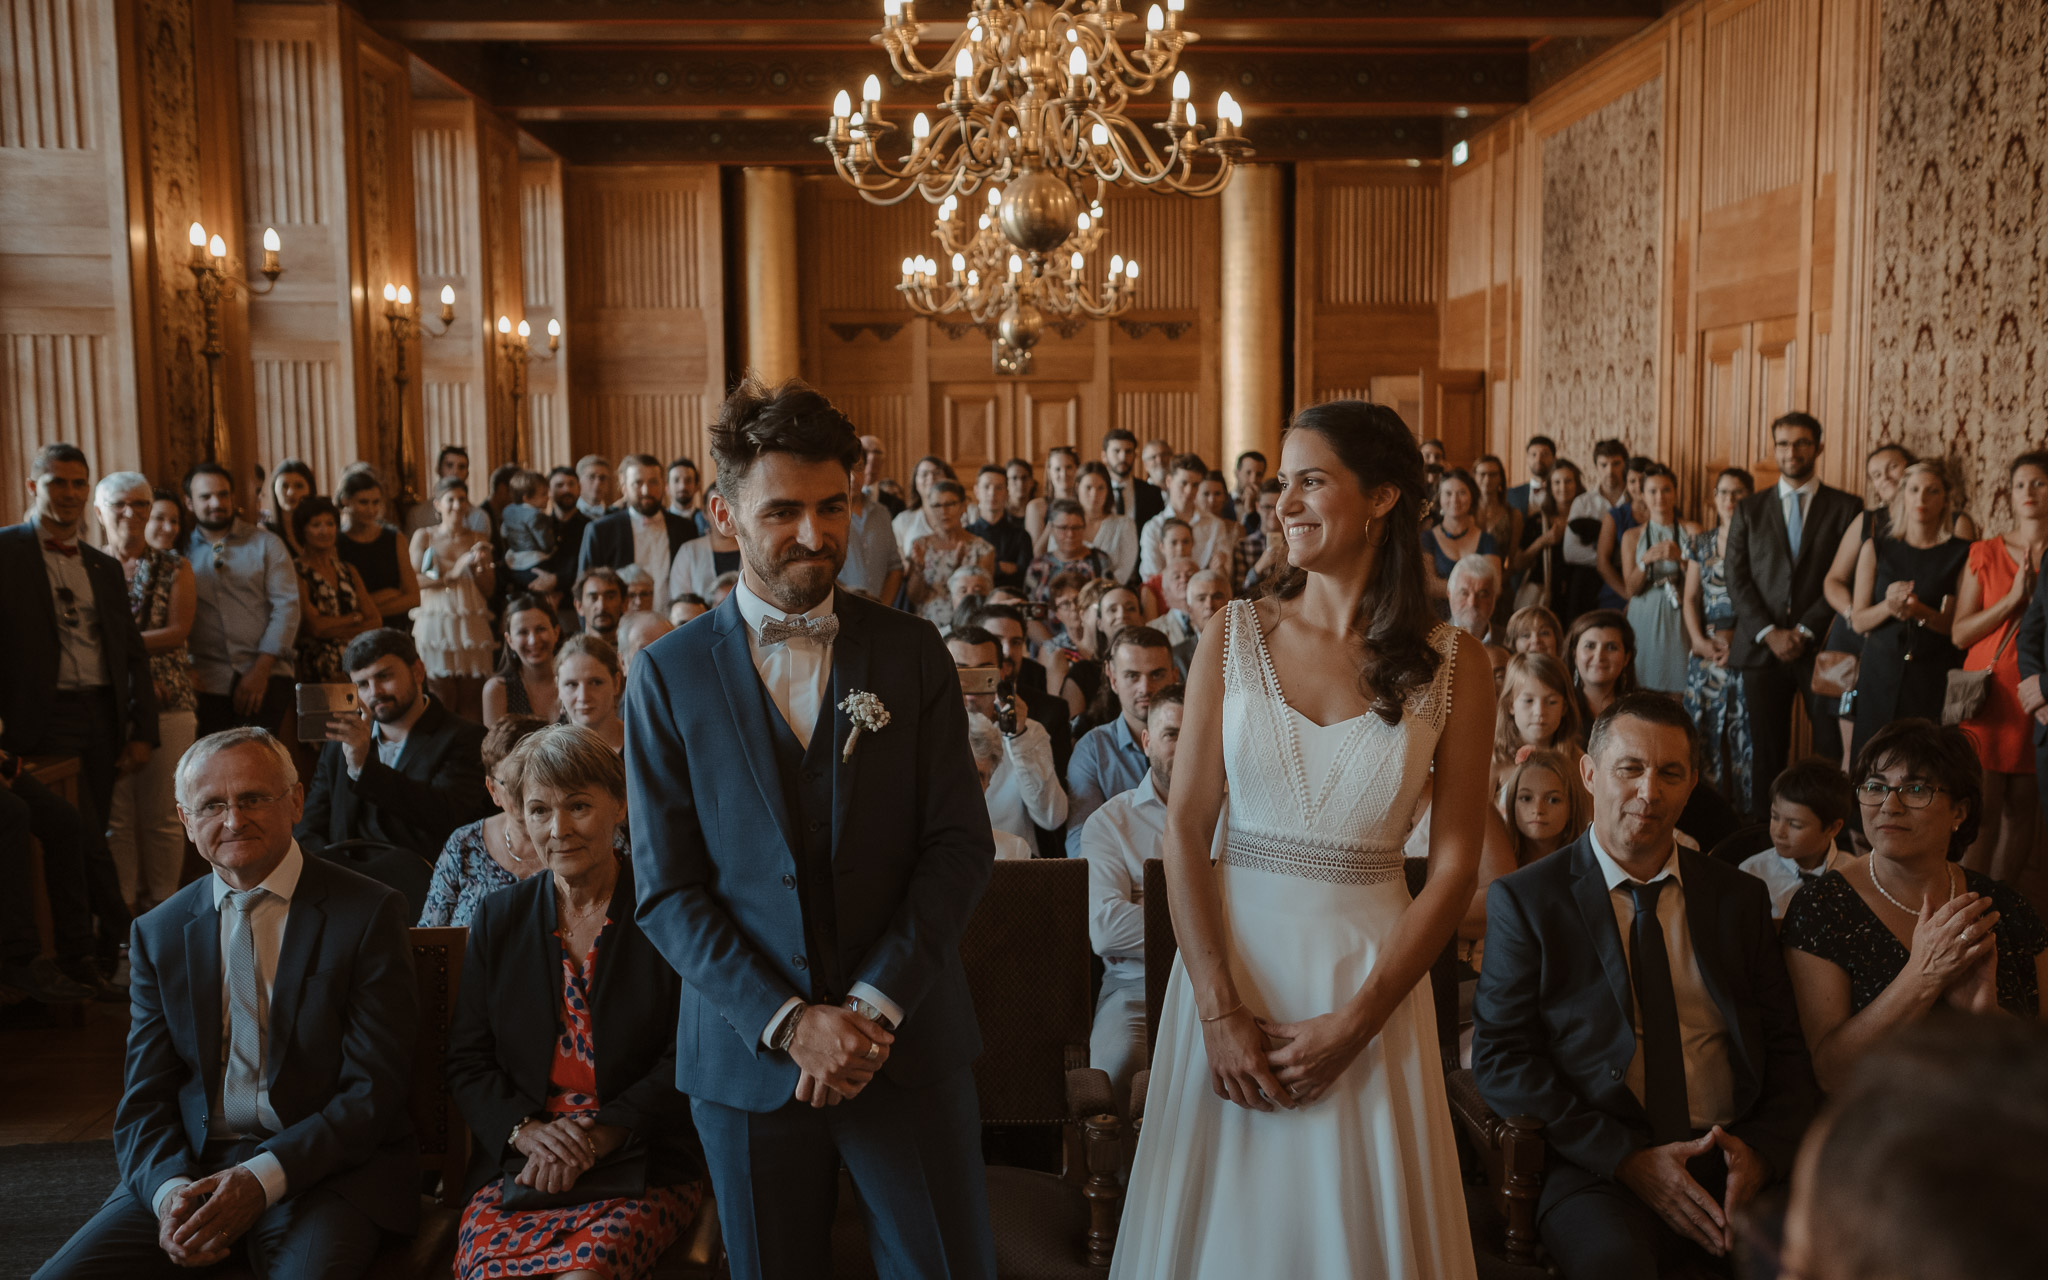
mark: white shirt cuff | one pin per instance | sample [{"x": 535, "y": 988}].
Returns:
[
  {"x": 1761, "y": 634},
  {"x": 775, "y": 1023},
  {"x": 862, "y": 991},
  {"x": 270, "y": 1173},
  {"x": 165, "y": 1192}
]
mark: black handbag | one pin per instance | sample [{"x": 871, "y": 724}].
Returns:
[{"x": 622, "y": 1175}]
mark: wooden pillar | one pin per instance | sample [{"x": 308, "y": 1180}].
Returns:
[
  {"x": 540, "y": 234},
  {"x": 773, "y": 327},
  {"x": 1251, "y": 313}
]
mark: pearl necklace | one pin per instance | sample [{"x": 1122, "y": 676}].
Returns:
[
  {"x": 1878, "y": 885},
  {"x": 506, "y": 832}
]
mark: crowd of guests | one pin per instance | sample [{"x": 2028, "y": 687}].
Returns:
[{"x": 1647, "y": 666}]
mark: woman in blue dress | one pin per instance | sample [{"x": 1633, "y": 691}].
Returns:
[
  {"x": 1456, "y": 535},
  {"x": 1713, "y": 689},
  {"x": 1653, "y": 570}
]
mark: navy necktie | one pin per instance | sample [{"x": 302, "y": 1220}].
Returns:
[{"x": 1663, "y": 1046}]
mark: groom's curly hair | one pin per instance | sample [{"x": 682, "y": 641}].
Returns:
[{"x": 791, "y": 418}]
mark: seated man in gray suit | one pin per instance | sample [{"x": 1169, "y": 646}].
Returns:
[{"x": 264, "y": 1107}]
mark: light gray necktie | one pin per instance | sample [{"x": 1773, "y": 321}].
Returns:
[
  {"x": 243, "y": 1078},
  {"x": 1795, "y": 522}
]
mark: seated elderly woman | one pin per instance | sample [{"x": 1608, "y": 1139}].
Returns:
[
  {"x": 562, "y": 1052},
  {"x": 1880, "y": 943}
]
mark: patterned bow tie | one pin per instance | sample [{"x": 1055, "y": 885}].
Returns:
[
  {"x": 61, "y": 548},
  {"x": 817, "y": 630}
]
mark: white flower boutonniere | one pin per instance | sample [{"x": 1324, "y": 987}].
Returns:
[{"x": 868, "y": 716}]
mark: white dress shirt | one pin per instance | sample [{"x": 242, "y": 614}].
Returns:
[
  {"x": 650, "y": 552},
  {"x": 1213, "y": 534},
  {"x": 1119, "y": 837},
  {"x": 1783, "y": 876},
  {"x": 1709, "y": 1072},
  {"x": 267, "y": 916},
  {"x": 1025, "y": 788},
  {"x": 797, "y": 675},
  {"x": 81, "y": 663}
]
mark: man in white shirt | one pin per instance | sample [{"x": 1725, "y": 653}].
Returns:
[
  {"x": 1810, "y": 803},
  {"x": 683, "y": 492},
  {"x": 1024, "y": 791},
  {"x": 1215, "y": 537}
]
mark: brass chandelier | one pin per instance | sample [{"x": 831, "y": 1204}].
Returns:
[
  {"x": 1035, "y": 100},
  {"x": 991, "y": 288}
]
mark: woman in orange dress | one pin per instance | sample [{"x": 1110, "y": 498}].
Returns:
[{"x": 1990, "y": 600}]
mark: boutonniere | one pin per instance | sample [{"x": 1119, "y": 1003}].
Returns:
[{"x": 868, "y": 716}]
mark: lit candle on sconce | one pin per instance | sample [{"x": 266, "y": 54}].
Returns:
[
  {"x": 525, "y": 331},
  {"x": 404, "y": 297},
  {"x": 271, "y": 245},
  {"x": 218, "y": 248},
  {"x": 198, "y": 237},
  {"x": 390, "y": 299},
  {"x": 504, "y": 324},
  {"x": 554, "y": 335},
  {"x": 447, "y": 304}
]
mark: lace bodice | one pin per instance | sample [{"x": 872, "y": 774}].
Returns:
[{"x": 1332, "y": 802}]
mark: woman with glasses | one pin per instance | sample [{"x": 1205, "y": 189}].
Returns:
[
  {"x": 934, "y": 557},
  {"x": 1885, "y": 940}
]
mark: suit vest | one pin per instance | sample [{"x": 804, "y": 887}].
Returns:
[{"x": 807, "y": 777}]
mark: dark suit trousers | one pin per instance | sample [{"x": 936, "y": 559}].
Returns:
[
  {"x": 915, "y": 1158},
  {"x": 28, "y": 808},
  {"x": 86, "y": 724},
  {"x": 1602, "y": 1231},
  {"x": 316, "y": 1235},
  {"x": 1769, "y": 692}
]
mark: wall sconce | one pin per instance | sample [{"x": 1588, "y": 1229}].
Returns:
[
  {"x": 403, "y": 315},
  {"x": 515, "y": 344},
  {"x": 212, "y": 280}
]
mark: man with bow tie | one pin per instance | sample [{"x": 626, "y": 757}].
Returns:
[
  {"x": 74, "y": 681},
  {"x": 809, "y": 841}
]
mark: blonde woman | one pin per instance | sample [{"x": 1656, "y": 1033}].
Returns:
[{"x": 1906, "y": 584}]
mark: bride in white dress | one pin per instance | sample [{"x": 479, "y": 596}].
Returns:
[{"x": 1295, "y": 1124}]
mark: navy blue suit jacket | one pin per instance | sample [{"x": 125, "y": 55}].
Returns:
[
  {"x": 715, "y": 862},
  {"x": 337, "y": 1064}
]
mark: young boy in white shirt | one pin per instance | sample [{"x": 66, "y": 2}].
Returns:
[{"x": 1809, "y": 803}]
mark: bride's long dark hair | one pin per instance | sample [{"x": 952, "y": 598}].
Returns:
[{"x": 1393, "y": 618}]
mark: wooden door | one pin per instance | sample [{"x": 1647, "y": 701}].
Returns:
[
  {"x": 1455, "y": 403},
  {"x": 971, "y": 423},
  {"x": 1046, "y": 414},
  {"x": 1724, "y": 407}
]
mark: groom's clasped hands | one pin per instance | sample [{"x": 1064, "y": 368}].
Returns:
[{"x": 838, "y": 1052}]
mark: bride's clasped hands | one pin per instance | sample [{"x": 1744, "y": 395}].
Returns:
[{"x": 1262, "y": 1065}]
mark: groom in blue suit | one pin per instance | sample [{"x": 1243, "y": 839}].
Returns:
[{"x": 809, "y": 882}]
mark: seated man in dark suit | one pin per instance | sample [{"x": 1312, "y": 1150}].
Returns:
[
  {"x": 406, "y": 774},
  {"x": 1635, "y": 1001},
  {"x": 263, "y": 1109}
]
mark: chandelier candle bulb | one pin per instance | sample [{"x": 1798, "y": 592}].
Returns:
[
  {"x": 920, "y": 131},
  {"x": 217, "y": 247},
  {"x": 504, "y": 324},
  {"x": 892, "y": 12},
  {"x": 1076, "y": 263},
  {"x": 1155, "y": 22},
  {"x": 1180, "y": 86},
  {"x": 525, "y": 331},
  {"x": 870, "y": 95},
  {"x": 390, "y": 293},
  {"x": 1131, "y": 269},
  {"x": 404, "y": 296},
  {"x": 1116, "y": 265}
]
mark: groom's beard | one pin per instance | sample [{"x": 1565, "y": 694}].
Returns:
[{"x": 799, "y": 577}]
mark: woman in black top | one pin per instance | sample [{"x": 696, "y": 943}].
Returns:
[
  {"x": 1906, "y": 585},
  {"x": 374, "y": 549},
  {"x": 1884, "y": 940}
]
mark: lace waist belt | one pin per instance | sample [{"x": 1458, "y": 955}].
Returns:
[{"x": 1334, "y": 864}]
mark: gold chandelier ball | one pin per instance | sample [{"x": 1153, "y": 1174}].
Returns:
[
  {"x": 1039, "y": 212},
  {"x": 1021, "y": 325}
]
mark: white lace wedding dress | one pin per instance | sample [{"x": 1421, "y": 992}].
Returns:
[{"x": 1363, "y": 1182}]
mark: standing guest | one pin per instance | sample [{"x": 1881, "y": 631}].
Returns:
[
  {"x": 500, "y": 494},
  {"x": 562, "y": 1051},
  {"x": 588, "y": 682},
  {"x": 1472, "y": 593},
  {"x": 1906, "y": 587},
  {"x": 452, "y": 463},
  {"x": 263, "y": 1109},
  {"x": 684, "y": 489},
  {"x": 1128, "y": 829},
  {"x": 874, "y": 566},
  {"x": 1538, "y": 456},
  {"x": 700, "y": 562},
  {"x": 1535, "y": 629},
  {"x": 491, "y": 853},
  {"x": 990, "y": 521},
  {"x": 1457, "y": 534},
  {"x": 1653, "y": 570},
  {"x": 1633, "y": 999},
  {"x": 1262, "y": 553},
  {"x": 1066, "y": 548},
  {"x": 405, "y": 772},
  {"x": 1062, "y": 474},
  {"x": 687, "y": 607},
  {"x": 1990, "y": 603},
  {"x": 1574, "y": 581},
  {"x": 600, "y": 603},
  {"x": 873, "y": 482},
  {"x": 1250, "y": 473},
  {"x": 334, "y": 603},
  {"x": 1503, "y": 520},
  {"x": 1810, "y": 804},
  {"x": 1023, "y": 792},
  {"x": 373, "y": 549},
  {"x": 1885, "y": 941},
  {"x": 453, "y": 623},
  {"x": 558, "y": 571},
  {"x": 914, "y": 523},
  {"x": 525, "y": 529},
  {"x": 1614, "y": 480},
  {"x": 985, "y": 741},
  {"x": 644, "y": 534},
  {"x": 1602, "y": 646},
  {"x": 525, "y": 682},
  {"x": 1020, "y": 484},
  {"x": 1109, "y": 758},
  {"x": 1157, "y": 459},
  {"x": 1128, "y": 495},
  {"x": 1884, "y": 467},
  {"x": 1545, "y": 806},
  {"x": 1215, "y": 538},
  {"x": 290, "y": 484},
  {"x": 1777, "y": 556},
  {"x": 143, "y": 834},
  {"x": 247, "y": 616},
  {"x": 1713, "y": 688},
  {"x": 1536, "y": 712},
  {"x": 934, "y": 557},
  {"x": 1115, "y": 536},
  {"x": 593, "y": 488}
]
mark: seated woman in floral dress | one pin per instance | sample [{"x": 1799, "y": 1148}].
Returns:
[{"x": 585, "y": 1163}]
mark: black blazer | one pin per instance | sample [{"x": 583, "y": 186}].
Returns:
[
  {"x": 1770, "y": 588},
  {"x": 501, "y": 1045},
  {"x": 1553, "y": 1025},
  {"x": 30, "y": 648},
  {"x": 610, "y": 541},
  {"x": 338, "y": 1062},
  {"x": 1143, "y": 501},
  {"x": 437, "y": 786}
]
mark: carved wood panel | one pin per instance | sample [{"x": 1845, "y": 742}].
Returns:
[{"x": 540, "y": 277}]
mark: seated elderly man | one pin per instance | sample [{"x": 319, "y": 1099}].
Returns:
[
  {"x": 1474, "y": 586},
  {"x": 1208, "y": 591},
  {"x": 263, "y": 1110},
  {"x": 1634, "y": 999}
]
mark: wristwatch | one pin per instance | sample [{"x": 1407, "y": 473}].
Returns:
[
  {"x": 870, "y": 1012},
  {"x": 512, "y": 1141},
  {"x": 786, "y": 1033}
]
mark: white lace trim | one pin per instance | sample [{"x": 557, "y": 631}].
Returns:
[{"x": 1331, "y": 863}]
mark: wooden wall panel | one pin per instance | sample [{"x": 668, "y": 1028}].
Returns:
[
  {"x": 540, "y": 275},
  {"x": 645, "y": 299}
]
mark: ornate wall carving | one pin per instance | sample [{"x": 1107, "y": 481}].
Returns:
[
  {"x": 168, "y": 74},
  {"x": 540, "y": 276},
  {"x": 1602, "y": 205},
  {"x": 1959, "y": 358}
]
